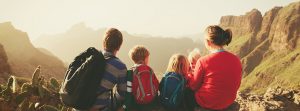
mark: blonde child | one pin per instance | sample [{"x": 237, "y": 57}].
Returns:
[
  {"x": 172, "y": 85},
  {"x": 193, "y": 58}
]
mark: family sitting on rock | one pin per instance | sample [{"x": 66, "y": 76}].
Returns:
[{"x": 190, "y": 83}]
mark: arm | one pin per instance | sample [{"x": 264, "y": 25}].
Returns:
[
  {"x": 197, "y": 78},
  {"x": 122, "y": 83},
  {"x": 161, "y": 84}
]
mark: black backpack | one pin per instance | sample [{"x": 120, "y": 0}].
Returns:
[{"x": 82, "y": 79}]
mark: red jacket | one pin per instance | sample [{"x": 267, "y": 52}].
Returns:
[{"x": 216, "y": 79}]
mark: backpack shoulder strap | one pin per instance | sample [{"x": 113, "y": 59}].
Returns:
[
  {"x": 179, "y": 87},
  {"x": 166, "y": 77},
  {"x": 140, "y": 84},
  {"x": 151, "y": 80}
]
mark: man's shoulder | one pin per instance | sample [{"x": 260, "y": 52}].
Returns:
[{"x": 116, "y": 62}]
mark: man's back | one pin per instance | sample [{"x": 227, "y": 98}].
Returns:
[{"x": 115, "y": 74}]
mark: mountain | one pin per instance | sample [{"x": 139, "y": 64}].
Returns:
[
  {"x": 4, "y": 66},
  {"x": 23, "y": 57},
  {"x": 268, "y": 45},
  {"x": 67, "y": 45},
  {"x": 79, "y": 37}
]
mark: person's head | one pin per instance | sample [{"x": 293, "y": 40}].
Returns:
[
  {"x": 139, "y": 54},
  {"x": 194, "y": 56},
  {"x": 216, "y": 37},
  {"x": 112, "y": 40},
  {"x": 178, "y": 63}
]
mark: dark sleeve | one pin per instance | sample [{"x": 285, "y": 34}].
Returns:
[{"x": 161, "y": 84}]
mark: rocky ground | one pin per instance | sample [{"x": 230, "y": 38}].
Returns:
[{"x": 274, "y": 99}]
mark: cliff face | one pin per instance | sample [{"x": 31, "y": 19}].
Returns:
[
  {"x": 261, "y": 42},
  {"x": 267, "y": 23},
  {"x": 23, "y": 57},
  {"x": 244, "y": 28},
  {"x": 4, "y": 66},
  {"x": 248, "y": 23},
  {"x": 285, "y": 32},
  {"x": 268, "y": 46}
]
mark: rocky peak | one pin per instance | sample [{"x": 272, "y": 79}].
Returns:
[
  {"x": 284, "y": 33},
  {"x": 6, "y": 25},
  {"x": 79, "y": 28},
  {"x": 14, "y": 40},
  {"x": 267, "y": 23},
  {"x": 261, "y": 42},
  {"x": 23, "y": 57},
  {"x": 248, "y": 23}
]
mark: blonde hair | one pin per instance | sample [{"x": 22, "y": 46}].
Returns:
[
  {"x": 179, "y": 64},
  {"x": 138, "y": 54},
  {"x": 194, "y": 55}
]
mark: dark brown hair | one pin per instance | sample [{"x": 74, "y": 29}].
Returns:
[
  {"x": 112, "y": 40},
  {"x": 218, "y": 36}
]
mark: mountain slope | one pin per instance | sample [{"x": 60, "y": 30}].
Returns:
[
  {"x": 4, "y": 66},
  {"x": 79, "y": 37},
  {"x": 23, "y": 57},
  {"x": 269, "y": 47}
]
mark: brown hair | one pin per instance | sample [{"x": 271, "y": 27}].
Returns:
[
  {"x": 218, "y": 36},
  {"x": 112, "y": 40},
  {"x": 138, "y": 54},
  {"x": 179, "y": 64}
]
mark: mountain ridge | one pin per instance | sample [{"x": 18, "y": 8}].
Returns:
[
  {"x": 161, "y": 48},
  {"x": 23, "y": 57}
]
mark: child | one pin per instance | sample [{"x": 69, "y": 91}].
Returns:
[
  {"x": 193, "y": 58},
  {"x": 188, "y": 93},
  {"x": 141, "y": 78},
  {"x": 173, "y": 83}
]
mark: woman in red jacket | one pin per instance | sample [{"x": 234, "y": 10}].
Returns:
[{"x": 217, "y": 76}]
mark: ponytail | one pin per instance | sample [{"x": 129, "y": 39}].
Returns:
[
  {"x": 228, "y": 35},
  {"x": 218, "y": 36}
]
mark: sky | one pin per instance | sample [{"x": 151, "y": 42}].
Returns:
[{"x": 169, "y": 18}]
